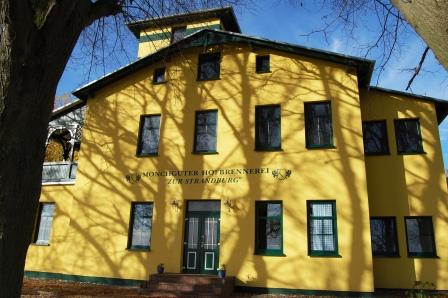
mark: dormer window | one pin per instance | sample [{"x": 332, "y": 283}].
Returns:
[{"x": 178, "y": 33}]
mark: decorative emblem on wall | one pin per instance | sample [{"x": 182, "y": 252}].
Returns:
[
  {"x": 281, "y": 174},
  {"x": 133, "y": 178}
]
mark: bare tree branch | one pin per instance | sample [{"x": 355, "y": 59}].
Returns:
[{"x": 418, "y": 68}]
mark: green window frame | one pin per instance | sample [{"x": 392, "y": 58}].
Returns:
[
  {"x": 375, "y": 138},
  {"x": 408, "y": 136},
  {"x": 149, "y": 135},
  {"x": 318, "y": 125},
  {"x": 383, "y": 232},
  {"x": 209, "y": 66},
  {"x": 44, "y": 224},
  {"x": 159, "y": 75},
  {"x": 262, "y": 64},
  {"x": 140, "y": 226},
  {"x": 205, "y": 133},
  {"x": 420, "y": 238},
  {"x": 269, "y": 228},
  {"x": 268, "y": 128},
  {"x": 322, "y": 228}
]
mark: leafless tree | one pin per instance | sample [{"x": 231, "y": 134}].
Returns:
[
  {"x": 37, "y": 38},
  {"x": 382, "y": 18}
]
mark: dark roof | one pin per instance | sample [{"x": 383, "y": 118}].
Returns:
[
  {"x": 440, "y": 104},
  {"x": 226, "y": 15},
  {"x": 209, "y": 37}
]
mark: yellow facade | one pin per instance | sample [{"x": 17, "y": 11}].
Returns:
[
  {"x": 408, "y": 185},
  {"x": 92, "y": 217}
]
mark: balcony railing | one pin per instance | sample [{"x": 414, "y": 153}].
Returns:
[{"x": 55, "y": 172}]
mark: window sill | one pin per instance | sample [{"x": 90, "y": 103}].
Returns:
[
  {"x": 205, "y": 152},
  {"x": 386, "y": 256},
  {"x": 69, "y": 182},
  {"x": 423, "y": 256},
  {"x": 377, "y": 154},
  {"x": 412, "y": 153},
  {"x": 270, "y": 254},
  {"x": 139, "y": 249},
  {"x": 324, "y": 255},
  {"x": 262, "y": 72},
  {"x": 267, "y": 149},
  {"x": 159, "y": 83},
  {"x": 205, "y": 80},
  {"x": 40, "y": 244},
  {"x": 321, "y": 147},
  {"x": 147, "y": 155}
]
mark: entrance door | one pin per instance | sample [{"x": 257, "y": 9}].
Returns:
[{"x": 201, "y": 241}]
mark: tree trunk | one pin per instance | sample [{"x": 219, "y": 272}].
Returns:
[
  {"x": 430, "y": 21},
  {"x": 35, "y": 43}
]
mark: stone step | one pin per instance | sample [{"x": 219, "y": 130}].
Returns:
[
  {"x": 193, "y": 279},
  {"x": 188, "y": 285},
  {"x": 186, "y": 288}
]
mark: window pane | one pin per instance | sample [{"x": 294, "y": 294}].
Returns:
[
  {"x": 420, "y": 236},
  {"x": 408, "y": 136},
  {"x": 318, "y": 124},
  {"x": 159, "y": 75},
  {"x": 208, "y": 67},
  {"x": 268, "y": 227},
  {"x": 267, "y": 133},
  {"x": 375, "y": 137},
  {"x": 141, "y": 226},
  {"x": 322, "y": 229},
  {"x": 45, "y": 223},
  {"x": 206, "y": 131},
  {"x": 209, "y": 206},
  {"x": 178, "y": 34},
  {"x": 383, "y": 233},
  {"x": 262, "y": 64},
  {"x": 149, "y": 137}
]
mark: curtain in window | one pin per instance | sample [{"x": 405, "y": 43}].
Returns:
[
  {"x": 268, "y": 134},
  {"x": 206, "y": 131},
  {"x": 150, "y": 135},
  {"x": 318, "y": 124},
  {"x": 321, "y": 227},
  {"x": 45, "y": 223},
  {"x": 141, "y": 228},
  {"x": 269, "y": 226}
]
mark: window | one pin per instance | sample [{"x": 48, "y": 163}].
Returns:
[
  {"x": 205, "y": 132},
  {"x": 178, "y": 34},
  {"x": 159, "y": 75},
  {"x": 408, "y": 134},
  {"x": 140, "y": 226},
  {"x": 322, "y": 228},
  {"x": 268, "y": 128},
  {"x": 268, "y": 228},
  {"x": 420, "y": 236},
  {"x": 148, "y": 143},
  {"x": 383, "y": 231},
  {"x": 208, "y": 67},
  {"x": 375, "y": 137},
  {"x": 262, "y": 64},
  {"x": 318, "y": 126},
  {"x": 44, "y": 223}
]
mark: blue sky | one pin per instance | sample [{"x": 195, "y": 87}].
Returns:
[{"x": 284, "y": 21}]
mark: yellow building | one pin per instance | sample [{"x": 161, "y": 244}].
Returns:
[{"x": 277, "y": 160}]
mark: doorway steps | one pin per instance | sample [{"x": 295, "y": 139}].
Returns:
[{"x": 188, "y": 285}]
